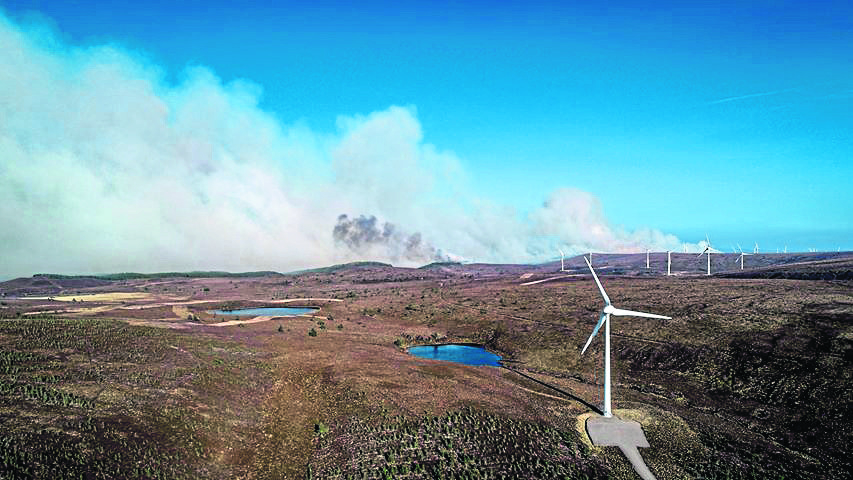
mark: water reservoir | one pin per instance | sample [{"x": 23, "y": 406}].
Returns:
[
  {"x": 268, "y": 311},
  {"x": 464, "y": 354}
]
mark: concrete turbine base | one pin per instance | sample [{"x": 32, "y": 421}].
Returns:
[{"x": 627, "y": 435}]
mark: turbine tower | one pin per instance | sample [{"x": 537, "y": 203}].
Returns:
[
  {"x": 562, "y": 264},
  {"x": 604, "y": 319},
  {"x": 647, "y": 259},
  {"x": 668, "y": 262},
  {"x": 755, "y": 249},
  {"x": 709, "y": 250}
]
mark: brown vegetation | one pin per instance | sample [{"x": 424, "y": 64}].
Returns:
[{"x": 751, "y": 379}]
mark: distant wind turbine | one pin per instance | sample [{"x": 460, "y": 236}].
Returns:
[
  {"x": 755, "y": 249},
  {"x": 562, "y": 263},
  {"x": 685, "y": 248},
  {"x": 708, "y": 250},
  {"x": 742, "y": 254},
  {"x": 647, "y": 258},
  {"x": 604, "y": 319}
]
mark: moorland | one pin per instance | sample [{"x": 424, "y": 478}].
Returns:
[{"x": 132, "y": 376}]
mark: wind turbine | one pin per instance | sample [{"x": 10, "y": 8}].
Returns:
[
  {"x": 604, "y": 319},
  {"x": 755, "y": 249},
  {"x": 709, "y": 250},
  {"x": 742, "y": 254},
  {"x": 647, "y": 258},
  {"x": 562, "y": 264}
]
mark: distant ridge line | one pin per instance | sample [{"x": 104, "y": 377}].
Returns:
[{"x": 135, "y": 275}]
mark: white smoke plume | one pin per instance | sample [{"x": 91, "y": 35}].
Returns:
[{"x": 106, "y": 166}]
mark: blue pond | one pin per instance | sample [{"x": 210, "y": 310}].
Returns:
[
  {"x": 266, "y": 311},
  {"x": 464, "y": 354}
]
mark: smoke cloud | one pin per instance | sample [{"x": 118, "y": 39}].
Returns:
[
  {"x": 106, "y": 166},
  {"x": 364, "y": 237}
]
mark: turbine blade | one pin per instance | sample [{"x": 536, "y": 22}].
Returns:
[
  {"x": 600, "y": 288},
  {"x": 631, "y": 313},
  {"x": 597, "y": 326}
]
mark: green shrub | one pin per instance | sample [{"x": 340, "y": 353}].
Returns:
[{"x": 312, "y": 333}]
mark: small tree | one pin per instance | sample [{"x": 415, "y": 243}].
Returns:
[
  {"x": 280, "y": 328},
  {"x": 312, "y": 332}
]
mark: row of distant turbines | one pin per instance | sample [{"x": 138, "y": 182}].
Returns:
[
  {"x": 708, "y": 250},
  {"x": 604, "y": 320}
]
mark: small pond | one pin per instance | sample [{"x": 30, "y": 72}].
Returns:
[
  {"x": 270, "y": 311},
  {"x": 464, "y": 354}
]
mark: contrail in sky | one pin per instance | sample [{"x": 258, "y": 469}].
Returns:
[{"x": 751, "y": 95}]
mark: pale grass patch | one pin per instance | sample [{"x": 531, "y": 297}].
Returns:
[{"x": 101, "y": 297}]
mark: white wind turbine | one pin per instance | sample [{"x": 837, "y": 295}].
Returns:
[
  {"x": 604, "y": 319},
  {"x": 742, "y": 254},
  {"x": 755, "y": 249},
  {"x": 647, "y": 258},
  {"x": 709, "y": 250},
  {"x": 562, "y": 264}
]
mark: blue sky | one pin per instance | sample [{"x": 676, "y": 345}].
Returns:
[{"x": 731, "y": 118}]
